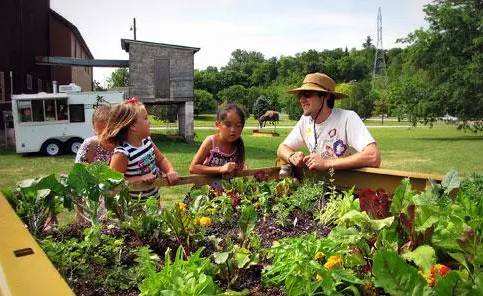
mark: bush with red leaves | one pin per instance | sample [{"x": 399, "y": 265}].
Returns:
[{"x": 375, "y": 203}]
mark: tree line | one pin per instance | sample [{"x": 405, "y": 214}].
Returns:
[{"x": 438, "y": 72}]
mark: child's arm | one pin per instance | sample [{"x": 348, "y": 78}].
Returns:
[
  {"x": 197, "y": 166},
  {"x": 119, "y": 164},
  {"x": 165, "y": 166}
]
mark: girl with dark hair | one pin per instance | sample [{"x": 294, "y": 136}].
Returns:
[{"x": 223, "y": 152}]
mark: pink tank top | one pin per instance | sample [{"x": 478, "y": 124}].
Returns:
[{"x": 219, "y": 158}]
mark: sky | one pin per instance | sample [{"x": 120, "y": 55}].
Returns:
[{"x": 218, "y": 27}]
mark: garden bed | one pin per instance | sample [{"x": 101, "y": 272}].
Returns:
[{"x": 250, "y": 236}]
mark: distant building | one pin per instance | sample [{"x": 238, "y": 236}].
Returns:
[
  {"x": 30, "y": 29},
  {"x": 163, "y": 74},
  {"x": 67, "y": 41}
]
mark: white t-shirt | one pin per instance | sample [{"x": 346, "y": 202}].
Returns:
[{"x": 343, "y": 133}]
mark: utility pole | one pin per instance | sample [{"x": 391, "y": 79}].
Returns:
[
  {"x": 133, "y": 27},
  {"x": 379, "y": 74}
]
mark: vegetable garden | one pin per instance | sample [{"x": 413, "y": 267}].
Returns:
[{"x": 256, "y": 236}]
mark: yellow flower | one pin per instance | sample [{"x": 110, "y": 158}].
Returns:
[
  {"x": 333, "y": 261},
  {"x": 318, "y": 278},
  {"x": 205, "y": 221},
  {"x": 319, "y": 256},
  {"x": 182, "y": 206}
]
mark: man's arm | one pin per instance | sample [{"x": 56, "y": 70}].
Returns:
[
  {"x": 291, "y": 156},
  {"x": 368, "y": 157}
]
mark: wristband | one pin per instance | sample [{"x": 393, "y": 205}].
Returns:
[{"x": 291, "y": 157}]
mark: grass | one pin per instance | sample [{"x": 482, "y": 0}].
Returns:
[
  {"x": 421, "y": 149},
  {"x": 208, "y": 120}
]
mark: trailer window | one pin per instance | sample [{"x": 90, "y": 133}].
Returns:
[
  {"x": 62, "y": 109},
  {"x": 76, "y": 113},
  {"x": 49, "y": 106},
  {"x": 38, "y": 110},
  {"x": 24, "y": 111}
]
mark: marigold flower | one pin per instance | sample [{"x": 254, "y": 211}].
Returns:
[
  {"x": 182, "y": 206},
  {"x": 440, "y": 268},
  {"x": 333, "y": 261},
  {"x": 319, "y": 256},
  {"x": 205, "y": 221},
  {"x": 437, "y": 269}
]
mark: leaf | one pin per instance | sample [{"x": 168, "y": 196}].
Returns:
[
  {"x": 424, "y": 257},
  {"x": 248, "y": 219},
  {"x": 242, "y": 257},
  {"x": 447, "y": 285},
  {"x": 221, "y": 257},
  {"x": 460, "y": 257},
  {"x": 402, "y": 197},
  {"x": 396, "y": 277},
  {"x": 450, "y": 181},
  {"x": 346, "y": 276},
  {"x": 363, "y": 220},
  {"x": 428, "y": 223}
]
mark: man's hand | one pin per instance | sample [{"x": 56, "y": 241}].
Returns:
[
  {"x": 297, "y": 158},
  {"x": 228, "y": 168},
  {"x": 172, "y": 177},
  {"x": 315, "y": 161}
]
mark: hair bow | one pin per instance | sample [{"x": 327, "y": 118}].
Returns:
[{"x": 133, "y": 100}]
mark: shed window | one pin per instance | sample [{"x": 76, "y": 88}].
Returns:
[{"x": 76, "y": 113}]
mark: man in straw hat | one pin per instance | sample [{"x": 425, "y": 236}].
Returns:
[{"x": 336, "y": 138}]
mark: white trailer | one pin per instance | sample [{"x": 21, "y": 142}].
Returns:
[{"x": 55, "y": 122}]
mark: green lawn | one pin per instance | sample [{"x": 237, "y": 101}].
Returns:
[
  {"x": 208, "y": 120},
  {"x": 420, "y": 149}
]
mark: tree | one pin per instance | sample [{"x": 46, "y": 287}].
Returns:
[
  {"x": 261, "y": 105},
  {"x": 448, "y": 56},
  {"x": 119, "y": 78},
  {"x": 209, "y": 80},
  {"x": 236, "y": 94},
  {"x": 245, "y": 62},
  {"x": 359, "y": 100},
  {"x": 204, "y": 102}
]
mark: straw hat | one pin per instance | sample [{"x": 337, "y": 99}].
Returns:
[{"x": 318, "y": 82}]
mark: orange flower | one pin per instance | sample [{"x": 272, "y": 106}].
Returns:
[
  {"x": 333, "y": 261},
  {"x": 437, "y": 269},
  {"x": 182, "y": 206},
  {"x": 205, "y": 221}
]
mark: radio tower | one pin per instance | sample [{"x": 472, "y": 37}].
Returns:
[{"x": 379, "y": 70}]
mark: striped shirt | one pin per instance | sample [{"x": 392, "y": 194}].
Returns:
[{"x": 141, "y": 161}]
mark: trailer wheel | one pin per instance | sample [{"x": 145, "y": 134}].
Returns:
[
  {"x": 52, "y": 147},
  {"x": 73, "y": 145}
]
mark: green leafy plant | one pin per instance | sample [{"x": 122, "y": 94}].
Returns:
[
  {"x": 298, "y": 265},
  {"x": 96, "y": 258},
  {"x": 336, "y": 207},
  {"x": 193, "y": 276},
  {"x": 181, "y": 224},
  {"x": 89, "y": 183},
  {"x": 38, "y": 201}
]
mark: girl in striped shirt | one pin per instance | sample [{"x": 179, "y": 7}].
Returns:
[{"x": 136, "y": 156}]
